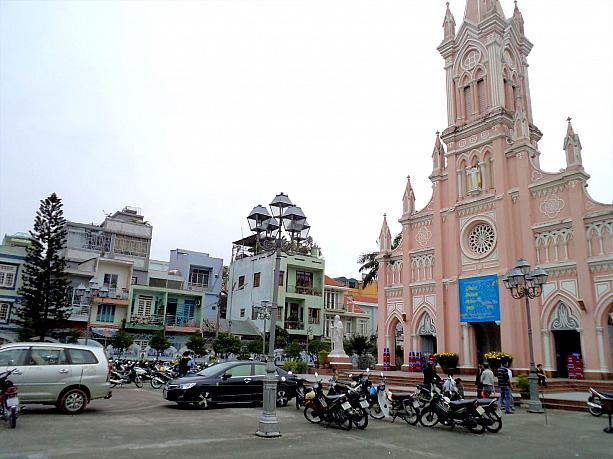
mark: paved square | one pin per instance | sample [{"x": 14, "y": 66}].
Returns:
[{"x": 138, "y": 423}]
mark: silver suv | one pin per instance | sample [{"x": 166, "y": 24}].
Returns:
[{"x": 68, "y": 376}]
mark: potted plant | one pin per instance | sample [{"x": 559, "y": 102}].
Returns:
[
  {"x": 496, "y": 358},
  {"x": 322, "y": 356},
  {"x": 447, "y": 360},
  {"x": 523, "y": 384}
]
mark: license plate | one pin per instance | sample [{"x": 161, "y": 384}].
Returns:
[
  {"x": 364, "y": 404},
  {"x": 499, "y": 413},
  {"x": 480, "y": 410},
  {"x": 346, "y": 405},
  {"x": 13, "y": 401}
]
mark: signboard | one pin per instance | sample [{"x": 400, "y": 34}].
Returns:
[{"x": 479, "y": 299}]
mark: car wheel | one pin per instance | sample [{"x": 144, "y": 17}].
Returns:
[
  {"x": 282, "y": 397},
  {"x": 73, "y": 401},
  {"x": 204, "y": 401}
]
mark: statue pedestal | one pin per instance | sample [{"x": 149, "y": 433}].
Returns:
[{"x": 340, "y": 361}]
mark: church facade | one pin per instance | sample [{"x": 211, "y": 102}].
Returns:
[{"x": 492, "y": 204}]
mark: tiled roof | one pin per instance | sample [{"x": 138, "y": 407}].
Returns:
[
  {"x": 329, "y": 281},
  {"x": 365, "y": 299}
]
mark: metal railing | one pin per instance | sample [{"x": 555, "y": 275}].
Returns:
[
  {"x": 304, "y": 290},
  {"x": 147, "y": 320},
  {"x": 175, "y": 321},
  {"x": 294, "y": 324}
]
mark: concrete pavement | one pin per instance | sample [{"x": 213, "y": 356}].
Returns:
[{"x": 138, "y": 423}]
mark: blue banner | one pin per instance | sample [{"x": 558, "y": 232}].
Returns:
[{"x": 479, "y": 299}]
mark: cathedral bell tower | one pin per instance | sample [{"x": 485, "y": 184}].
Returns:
[{"x": 488, "y": 92}]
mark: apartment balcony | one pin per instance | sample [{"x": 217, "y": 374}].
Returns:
[
  {"x": 304, "y": 290},
  {"x": 151, "y": 322},
  {"x": 79, "y": 312},
  {"x": 181, "y": 324},
  {"x": 294, "y": 325}
]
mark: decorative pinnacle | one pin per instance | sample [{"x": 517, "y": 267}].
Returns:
[{"x": 568, "y": 119}]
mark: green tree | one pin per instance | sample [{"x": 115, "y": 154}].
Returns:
[
  {"x": 256, "y": 346},
  {"x": 197, "y": 344},
  {"x": 73, "y": 336},
  {"x": 359, "y": 344},
  {"x": 45, "y": 291},
  {"x": 317, "y": 345},
  {"x": 226, "y": 343},
  {"x": 293, "y": 350},
  {"x": 281, "y": 337},
  {"x": 159, "y": 343},
  {"x": 121, "y": 341}
]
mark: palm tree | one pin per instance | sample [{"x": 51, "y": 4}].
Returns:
[{"x": 368, "y": 262}]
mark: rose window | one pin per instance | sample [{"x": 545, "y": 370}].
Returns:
[{"x": 481, "y": 239}]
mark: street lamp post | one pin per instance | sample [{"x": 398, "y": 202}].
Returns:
[
  {"x": 522, "y": 283},
  {"x": 264, "y": 311},
  {"x": 309, "y": 333},
  {"x": 268, "y": 229}
]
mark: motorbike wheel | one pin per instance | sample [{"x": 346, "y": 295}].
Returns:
[
  {"x": 412, "y": 416},
  {"x": 376, "y": 412},
  {"x": 138, "y": 382},
  {"x": 475, "y": 426},
  {"x": 494, "y": 422},
  {"x": 156, "y": 383},
  {"x": 12, "y": 418},
  {"x": 360, "y": 418},
  {"x": 311, "y": 415},
  {"x": 343, "y": 420},
  {"x": 428, "y": 418},
  {"x": 595, "y": 411}
]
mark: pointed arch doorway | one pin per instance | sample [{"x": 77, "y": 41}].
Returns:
[
  {"x": 427, "y": 335},
  {"x": 487, "y": 338},
  {"x": 567, "y": 338}
]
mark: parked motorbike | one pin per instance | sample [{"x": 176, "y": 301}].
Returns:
[
  {"x": 357, "y": 393},
  {"x": 594, "y": 401},
  {"x": 492, "y": 417},
  {"x": 319, "y": 407},
  {"x": 121, "y": 375},
  {"x": 162, "y": 376},
  {"x": 389, "y": 404},
  {"x": 466, "y": 413},
  {"x": 9, "y": 402}
]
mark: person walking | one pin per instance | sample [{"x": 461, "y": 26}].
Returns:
[
  {"x": 504, "y": 383},
  {"x": 487, "y": 381},
  {"x": 478, "y": 382},
  {"x": 540, "y": 374}
]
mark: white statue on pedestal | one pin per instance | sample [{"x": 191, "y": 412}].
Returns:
[{"x": 337, "y": 338}]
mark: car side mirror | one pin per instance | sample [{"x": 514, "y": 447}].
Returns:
[{"x": 225, "y": 376}]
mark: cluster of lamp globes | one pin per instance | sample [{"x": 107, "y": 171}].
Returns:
[
  {"x": 284, "y": 213},
  {"x": 523, "y": 282}
]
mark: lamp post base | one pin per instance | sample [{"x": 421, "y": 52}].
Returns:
[
  {"x": 268, "y": 427},
  {"x": 534, "y": 404}
]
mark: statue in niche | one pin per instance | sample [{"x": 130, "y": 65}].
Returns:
[{"x": 473, "y": 178}]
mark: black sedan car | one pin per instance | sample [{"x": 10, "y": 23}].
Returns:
[{"x": 229, "y": 382}]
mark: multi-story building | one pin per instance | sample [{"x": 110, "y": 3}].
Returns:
[
  {"x": 358, "y": 313},
  {"x": 12, "y": 256},
  {"x": 111, "y": 256},
  {"x": 301, "y": 287},
  {"x": 492, "y": 204},
  {"x": 179, "y": 296}
]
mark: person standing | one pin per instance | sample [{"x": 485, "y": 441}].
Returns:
[
  {"x": 487, "y": 381},
  {"x": 478, "y": 382},
  {"x": 504, "y": 383},
  {"x": 430, "y": 376}
]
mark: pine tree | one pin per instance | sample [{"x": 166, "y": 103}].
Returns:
[{"x": 45, "y": 290}]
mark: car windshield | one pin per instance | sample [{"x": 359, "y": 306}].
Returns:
[{"x": 216, "y": 370}]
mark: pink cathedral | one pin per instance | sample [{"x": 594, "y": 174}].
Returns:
[{"x": 492, "y": 204}]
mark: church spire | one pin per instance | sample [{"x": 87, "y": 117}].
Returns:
[
  {"x": 572, "y": 147},
  {"x": 408, "y": 199},
  {"x": 385, "y": 237},
  {"x": 477, "y": 10},
  {"x": 438, "y": 155},
  {"x": 518, "y": 18},
  {"x": 448, "y": 25}
]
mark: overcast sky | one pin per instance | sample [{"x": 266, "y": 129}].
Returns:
[{"x": 195, "y": 111}]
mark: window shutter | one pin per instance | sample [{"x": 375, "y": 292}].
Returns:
[
  {"x": 482, "y": 96},
  {"x": 468, "y": 103}
]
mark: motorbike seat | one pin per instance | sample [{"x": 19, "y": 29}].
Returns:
[
  {"x": 461, "y": 403},
  {"x": 332, "y": 398},
  {"x": 401, "y": 396},
  {"x": 485, "y": 401}
]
